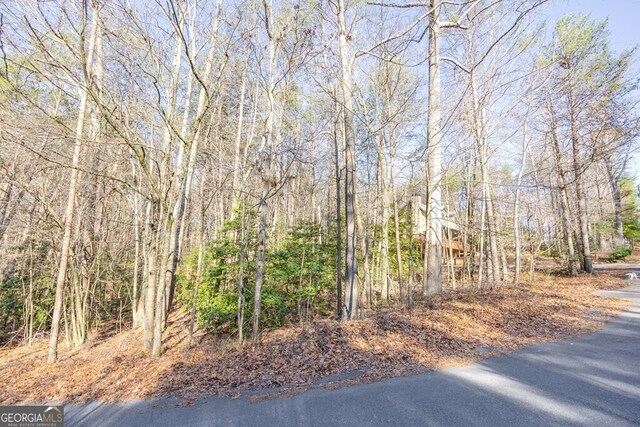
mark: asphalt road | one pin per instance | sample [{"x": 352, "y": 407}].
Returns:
[{"x": 592, "y": 380}]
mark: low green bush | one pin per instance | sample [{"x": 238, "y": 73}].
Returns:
[
  {"x": 620, "y": 253},
  {"x": 274, "y": 309},
  {"x": 217, "y": 312}
]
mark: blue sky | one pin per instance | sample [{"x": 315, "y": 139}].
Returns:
[{"x": 624, "y": 26}]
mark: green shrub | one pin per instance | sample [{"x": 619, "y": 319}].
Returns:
[
  {"x": 217, "y": 312},
  {"x": 620, "y": 253},
  {"x": 274, "y": 309},
  {"x": 298, "y": 283}
]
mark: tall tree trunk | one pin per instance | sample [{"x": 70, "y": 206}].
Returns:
[
  {"x": 336, "y": 140},
  {"x": 467, "y": 237},
  {"x": 160, "y": 250},
  {"x": 489, "y": 211},
  {"x": 617, "y": 203},
  {"x": 164, "y": 255},
  {"x": 137, "y": 254},
  {"x": 433, "y": 248},
  {"x": 88, "y": 251},
  {"x": 153, "y": 211},
  {"x": 384, "y": 213},
  {"x": 396, "y": 218},
  {"x": 243, "y": 254},
  {"x": 235, "y": 182},
  {"x": 564, "y": 199},
  {"x": 516, "y": 205},
  {"x": 186, "y": 175},
  {"x": 268, "y": 177},
  {"x": 351, "y": 262},
  {"x": 86, "y": 58},
  {"x": 198, "y": 278},
  {"x": 583, "y": 218}
]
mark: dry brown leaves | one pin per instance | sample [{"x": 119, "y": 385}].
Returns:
[{"x": 453, "y": 329}]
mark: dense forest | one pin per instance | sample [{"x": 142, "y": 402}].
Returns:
[{"x": 258, "y": 163}]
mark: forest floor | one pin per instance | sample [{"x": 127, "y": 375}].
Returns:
[{"x": 453, "y": 329}]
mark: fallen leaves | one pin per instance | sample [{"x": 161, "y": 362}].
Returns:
[{"x": 465, "y": 327}]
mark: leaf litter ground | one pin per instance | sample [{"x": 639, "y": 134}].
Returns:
[{"x": 452, "y": 329}]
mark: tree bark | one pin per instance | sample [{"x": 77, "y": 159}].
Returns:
[
  {"x": 583, "y": 218},
  {"x": 564, "y": 199},
  {"x": 86, "y": 57},
  {"x": 433, "y": 249},
  {"x": 337, "y": 165},
  {"x": 384, "y": 213},
  {"x": 268, "y": 175},
  {"x": 617, "y": 203},
  {"x": 351, "y": 262}
]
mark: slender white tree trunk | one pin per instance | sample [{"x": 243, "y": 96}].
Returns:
[
  {"x": 433, "y": 252},
  {"x": 87, "y": 58},
  {"x": 351, "y": 262},
  {"x": 267, "y": 153}
]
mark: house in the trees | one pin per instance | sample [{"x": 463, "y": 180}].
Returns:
[{"x": 452, "y": 241}]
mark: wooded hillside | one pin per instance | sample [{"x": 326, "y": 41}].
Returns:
[{"x": 254, "y": 164}]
